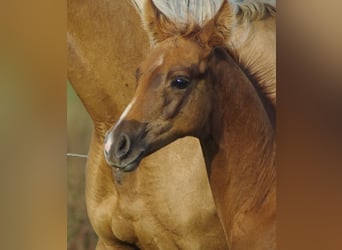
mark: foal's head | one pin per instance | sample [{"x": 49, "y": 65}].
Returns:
[{"x": 174, "y": 92}]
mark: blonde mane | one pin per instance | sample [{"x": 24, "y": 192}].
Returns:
[
  {"x": 185, "y": 12},
  {"x": 248, "y": 11}
]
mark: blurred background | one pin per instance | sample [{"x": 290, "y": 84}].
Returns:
[{"x": 80, "y": 235}]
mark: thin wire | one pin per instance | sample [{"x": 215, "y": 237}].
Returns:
[{"x": 77, "y": 155}]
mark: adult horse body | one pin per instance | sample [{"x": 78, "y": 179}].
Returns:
[
  {"x": 166, "y": 204},
  {"x": 190, "y": 85}
]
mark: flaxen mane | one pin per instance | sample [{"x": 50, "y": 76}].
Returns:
[
  {"x": 247, "y": 11},
  {"x": 199, "y": 11}
]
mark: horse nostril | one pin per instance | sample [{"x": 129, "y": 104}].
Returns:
[{"x": 122, "y": 146}]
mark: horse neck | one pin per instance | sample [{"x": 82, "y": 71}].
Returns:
[
  {"x": 254, "y": 45},
  {"x": 102, "y": 71},
  {"x": 240, "y": 150}
]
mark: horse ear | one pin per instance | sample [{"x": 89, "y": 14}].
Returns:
[
  {"x": 157, "y": 25},
  {"x": 216, "y": 31}
]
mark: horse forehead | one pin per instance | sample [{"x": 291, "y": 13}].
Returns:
[
  {"x": 181, "y": 47},
  {"x": 172, "y": 52},
  {"x": 179, "y": 52},
  {"x": 152, "y": 62}
]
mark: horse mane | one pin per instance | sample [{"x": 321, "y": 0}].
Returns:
[
  {"x": 264, "y": 92},
  {"x": 248, "y": 10},
  {"x": 185, "y": 12}
]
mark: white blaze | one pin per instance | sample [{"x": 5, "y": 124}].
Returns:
[
  {"x": 109, "y": 138},
  {"x": 108, "y": 143},
  {"x": 126, "y": 111}
]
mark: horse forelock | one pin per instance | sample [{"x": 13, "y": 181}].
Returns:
[{"x": 186, "y": 30}]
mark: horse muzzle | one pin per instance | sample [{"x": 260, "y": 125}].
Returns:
[{"x": 124, "y": 145}]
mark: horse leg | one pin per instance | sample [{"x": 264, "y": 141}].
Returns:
[{"x": 100, "y": 245}]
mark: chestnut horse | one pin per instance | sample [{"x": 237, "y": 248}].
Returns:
[
  {"x": 252, "y": 31},
  {"x": 189, "y": 85},
  {"x": 166, "y": 204}
]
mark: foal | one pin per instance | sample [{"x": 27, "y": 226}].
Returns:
[
  {"x": 156, "y": 207},
  {"x": 189, "y": 85}
]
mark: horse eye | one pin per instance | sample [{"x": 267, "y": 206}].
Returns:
[{"x": 180, "y": 83}]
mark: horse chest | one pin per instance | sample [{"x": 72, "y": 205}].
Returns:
[
  {"x": 139, "y": 218},
  {"x": 162, "y": 211}
]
